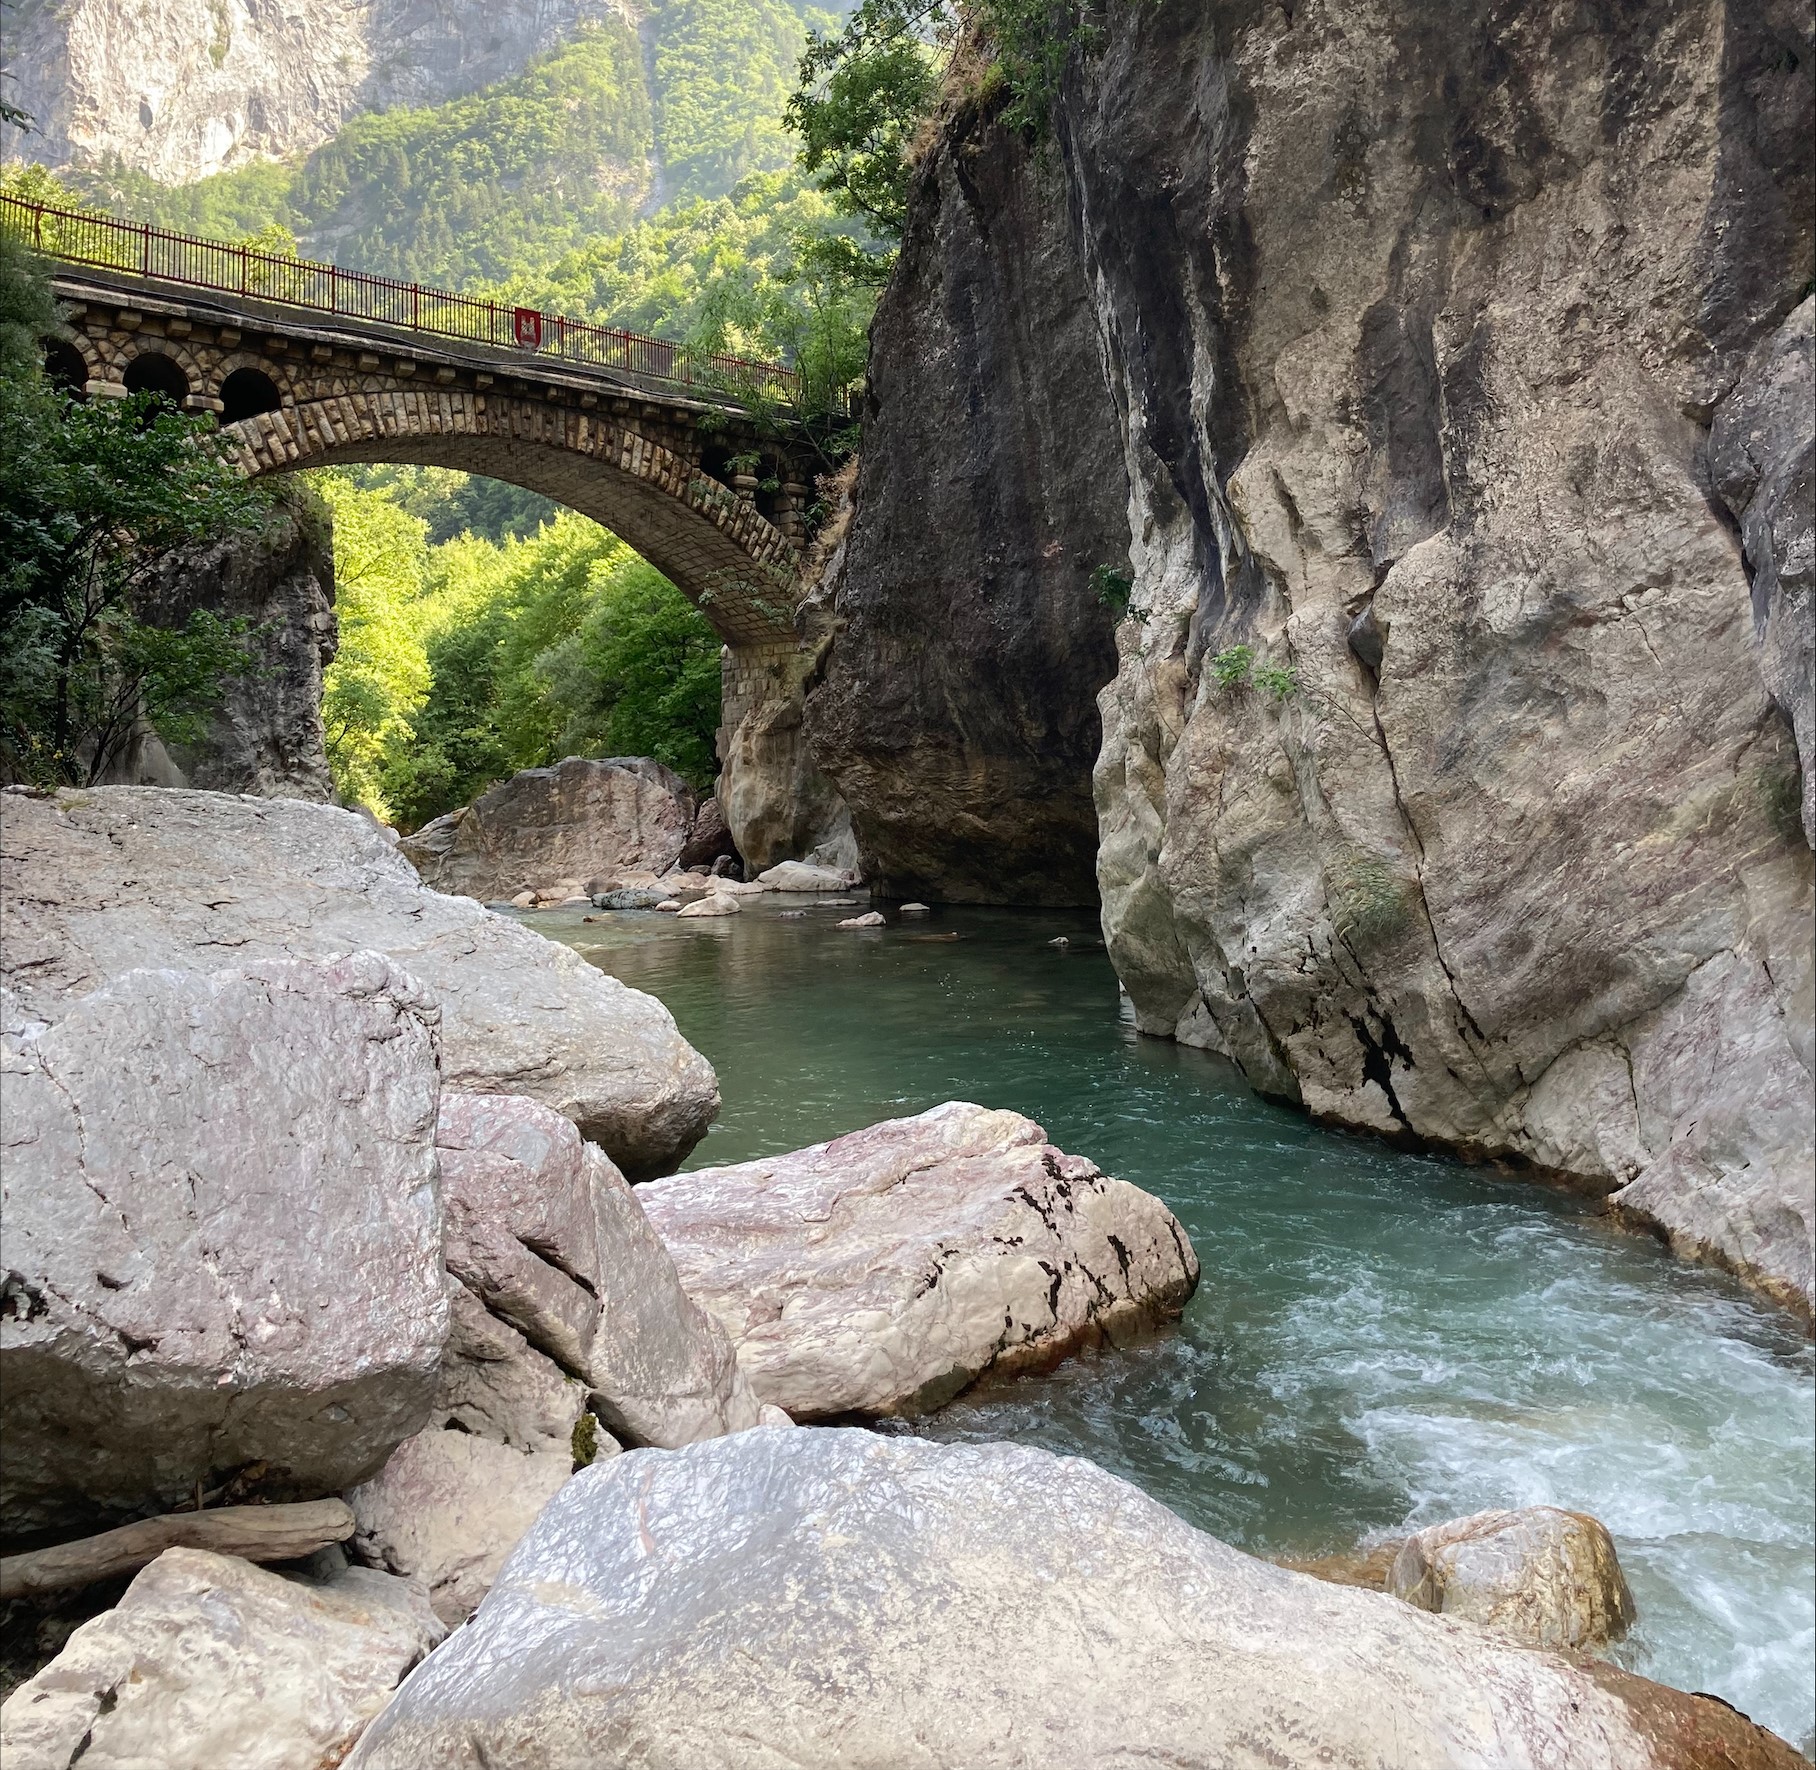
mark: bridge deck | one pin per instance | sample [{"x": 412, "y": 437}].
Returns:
[{"x": 437, "y": 323}]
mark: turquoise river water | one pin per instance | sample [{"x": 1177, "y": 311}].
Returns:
[{"x": 1379, "y": 1340}]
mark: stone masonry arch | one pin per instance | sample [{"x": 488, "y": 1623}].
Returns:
[
  {"x": 666, "y": 470},
  {"x": 699, "y": 533}
]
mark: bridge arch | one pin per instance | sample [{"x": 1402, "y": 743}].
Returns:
[{"x": 714, "y": 545}]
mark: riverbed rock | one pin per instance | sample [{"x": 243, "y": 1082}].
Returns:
[
  {"x": 714, "y": 903},
  {"x": 636, "y": 897},
  {"x": 448, "y": 1508},
  {"x": 1541, "y": 1576},
  {"x": 166, "y": 1325},
  {"x": 565, "y": 822},
  {"x": 110, "y": 879},
  {"x": 1501, "y": 851},
  {"x": 854, "y": 1602},
  {"x": 496, "y": 1385},
  {"x": 208, "y": 1660},
  {"x": 885, "y": 1271},
  {"x": 796, "y": 875},
  {"x": 870, "y": 919},
  {"x": 545, "y": 1232}
]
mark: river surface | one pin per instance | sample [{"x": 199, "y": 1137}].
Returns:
[{"x": 1379, "y": 1340}]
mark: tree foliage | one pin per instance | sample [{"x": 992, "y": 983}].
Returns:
[
  {"x": 94, "y": 499},
  {"x": 462, "y": 662}
]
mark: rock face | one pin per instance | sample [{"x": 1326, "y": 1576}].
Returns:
[
  {"x": 1415, "y": 322},
  {"x": 954, "y": 708},
  {"x": 1762, "y": 457},
  {"x": 448, "y": 1508},
  {"x": 210, "y": 1660},
  {"x": 496, "y": 1385},
  {"x": 266, "y": 736},
  {"x": 165, "y": 1325},
  {"x": 104, "y": 881},
  {"x": 545, "y": 1232},
  {"x": 883, "y": 1272},
  {"x": 1540, "y": 1576},
  {"x": 827, "y": 1597},
  {"x": 188, "y": 88},
  {"x": 569, "y": 821}
]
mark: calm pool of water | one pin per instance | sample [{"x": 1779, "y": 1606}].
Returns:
[{"x": 1379, "y": 1339}]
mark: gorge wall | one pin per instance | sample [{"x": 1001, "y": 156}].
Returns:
[
  {"x": 959, "y": 643},
  {"x": 212, "y": 84},
  {"x": 265, "y": 736},
  {"x": 1417, "y": 327}
]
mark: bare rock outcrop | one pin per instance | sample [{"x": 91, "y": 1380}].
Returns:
[
  {"x": 545, "y": 1232},
  {"x": 887, "y": 1270},
  {"x": 448, "y": 1508},
  {"x": 189, "y": 88},
  {"x": 951, "y": 696},
  {"x": 1541, "y": 1576},
  {"x": 572, "y": 820},
  {"x": 1762, "y": 456},
  {"x": 165, "y": 1325},
  {"x": 114, "y": 878},
  {"x": 1440, "y": 786},
  {"x": 266, "y": 735},
  {"x": 824, "y": 1597},
  {"x": 496, "y": 1385},
  {"x": 209, "y": 1660}
]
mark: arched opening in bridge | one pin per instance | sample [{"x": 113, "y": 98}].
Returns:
[
  {"x": 65, "y": 369},
  {"x": 153, "y": 372},
  {"x": 246, "y": 393}
]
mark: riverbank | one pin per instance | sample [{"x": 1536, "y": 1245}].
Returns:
[{"x": 1378, "y": 1338}]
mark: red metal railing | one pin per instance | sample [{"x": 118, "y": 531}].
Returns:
[{"x": 145, "y": 251}]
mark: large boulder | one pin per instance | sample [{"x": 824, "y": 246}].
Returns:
[
  {"x": 1540, "y": 1576},
  {"x": 547, "y": 1234},
  {"x": 885, "y": 1271},
  {"x": 166, "y": 1324},
  {"x": 449, "y": 1507},
  {"x": 113, "y": 878},
  {"x": 209, "y": 1661},
  {"x": 568, "y": 821},
  {"x": 854, "y": 1602}
]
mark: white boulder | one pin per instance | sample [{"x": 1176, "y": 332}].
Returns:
[
  {"x": 798, "y": 875},
  {"x": 1540, "y": 1576},
  {"x": 449, "y": 1507},
  {"x": 545, "y": 1232},
  {"x": 885, "y": 1271},
  {"x": 209, "y": 1661},
  {"x": 115, "y": 878},
  {"x": 221, "y": 1235},
  {"x": 847, "y": 1601}
]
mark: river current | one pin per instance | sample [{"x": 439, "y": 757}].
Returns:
[{"x": 1379, "y": 1340}]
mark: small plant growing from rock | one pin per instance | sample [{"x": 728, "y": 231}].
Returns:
[
  {"x": 1113, "y": 588},
  {"x": 1236, "y": 667},
  {"x": 585, "y": 1441},
  {"x": 1368, "y": 902}
]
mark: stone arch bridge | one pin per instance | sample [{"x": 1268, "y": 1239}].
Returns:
[{"x": 666, "y": 467}]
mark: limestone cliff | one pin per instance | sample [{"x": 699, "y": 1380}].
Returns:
[
  {"x": 266, "y": 736},
  {"x": 1418, "y": 319},
  {"x": 183, "y": 88},
  {"x": 954, "y": 704},
  {"x": 1458, "y": 359}
]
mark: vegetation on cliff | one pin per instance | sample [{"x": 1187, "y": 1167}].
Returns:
[{"x": 93, "y": 500}]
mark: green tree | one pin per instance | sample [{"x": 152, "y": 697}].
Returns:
[{"x": 94, "y": 500}]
